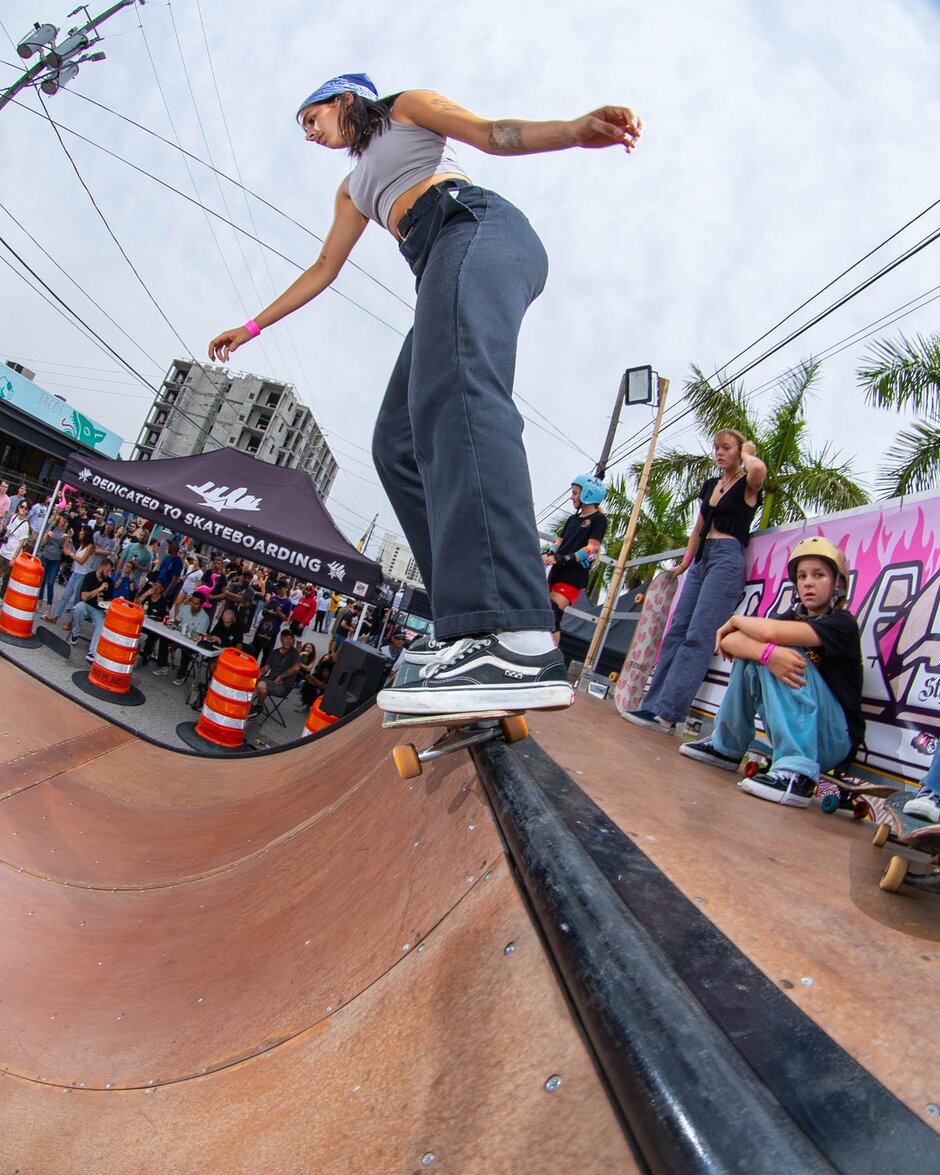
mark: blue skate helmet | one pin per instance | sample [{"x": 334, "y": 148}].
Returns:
[{"x": 593, "y": 490}]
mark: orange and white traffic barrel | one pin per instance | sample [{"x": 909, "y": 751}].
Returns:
[
  {"x": 117, "y": 647},
  {"x": 317, "y": 719},
  {"x": 22, "y": 595},
  {"x": 228, "y": 699}
]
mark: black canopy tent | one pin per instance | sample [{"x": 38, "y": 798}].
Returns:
[{"x": 239, "y": 504}]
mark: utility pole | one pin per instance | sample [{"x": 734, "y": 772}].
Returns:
[
  {"x": 593, "y": 652},
  {"x": 367, "y": 537},
  {"x": 58, "y": 63}
]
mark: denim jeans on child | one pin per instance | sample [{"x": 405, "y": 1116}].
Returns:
[
  {"x": 448, "y": 439},
  {"x": 709, "y": 595},
  {"x": 806, "y": 726}
]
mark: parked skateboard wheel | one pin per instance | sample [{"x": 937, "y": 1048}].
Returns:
[
  {"x": 894, "y": 875},
  {"x": 752, "y": 768},
  {"x": 639, "y": 597},
  {"x": 407, "y": 761},
  {"x": 612, "y": 676},
  {"x": 829, "y": 804},
  {"x": 515, "y": 728},
  {"x": 882, "y": 832},
  {"x": 861, "y": 810}
]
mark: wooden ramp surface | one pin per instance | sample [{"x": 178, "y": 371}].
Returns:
[
  {"x": 287, "y": 963},
  {"x": 794, "y": 889}
]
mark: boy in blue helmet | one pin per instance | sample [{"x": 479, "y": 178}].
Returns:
[{"x": 571, "y": 555}]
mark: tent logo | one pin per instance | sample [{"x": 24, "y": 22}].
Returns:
[{"x": 222, "y": 498}]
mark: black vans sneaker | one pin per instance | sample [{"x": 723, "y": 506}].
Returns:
[
  {"x": 781, "y": 787},
  {"x": 476, "y": 675},
  {"x": 704, "y": 751},
  {"x": 426, "y": 649}
]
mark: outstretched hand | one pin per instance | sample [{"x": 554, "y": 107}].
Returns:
[
  {"x": 222, "y": 346},
  {"x": 609, "y": 126}
]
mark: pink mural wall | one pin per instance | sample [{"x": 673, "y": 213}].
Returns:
[{"x": 894, "y": 556}]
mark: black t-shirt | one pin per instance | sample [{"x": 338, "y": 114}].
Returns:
[
  {"x": 91, "y": 582},
  {"x": 731, "y": 515},
  {"x": 156, "y": 609},
  {"x": 839, "y": 661},
  {"x": 229, "y": 636},
  {"x": 579, "y": 530}
]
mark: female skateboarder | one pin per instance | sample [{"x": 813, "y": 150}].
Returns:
[
  {"x": 714, "y": 559},
  {"x": 448, "y": 439}
]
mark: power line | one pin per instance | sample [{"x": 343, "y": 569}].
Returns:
[
  {"x": 261, "y": 200},
  {"x": 288, "y": 332},
  {"x": 838, "y": 304},
  {"x": 211, "y": 211},
  {"x": 79, "y": 287}
]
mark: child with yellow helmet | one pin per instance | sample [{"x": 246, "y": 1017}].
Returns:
[{"x": 802, "y": 673}]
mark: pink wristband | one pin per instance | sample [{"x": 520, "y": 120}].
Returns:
[
  {"x": 767, "y": 654},
  {"x": 252, "y": 327}
]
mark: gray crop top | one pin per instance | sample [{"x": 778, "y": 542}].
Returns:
[{"x": 394, "y": 162}]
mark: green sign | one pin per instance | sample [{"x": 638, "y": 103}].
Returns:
[{"x": 38, "y": 403}]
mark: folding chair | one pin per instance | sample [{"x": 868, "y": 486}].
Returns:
[{"x": 272, "y": 708}]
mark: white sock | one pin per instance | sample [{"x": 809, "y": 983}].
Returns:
[{"x": 528, "y": 642}]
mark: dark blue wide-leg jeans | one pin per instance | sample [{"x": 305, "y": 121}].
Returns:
[
  {"x": 711, "y": 592},
  {"x": 448, "y": 439}
]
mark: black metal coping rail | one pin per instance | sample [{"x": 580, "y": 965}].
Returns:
[{"x": 712, "y": 1067}]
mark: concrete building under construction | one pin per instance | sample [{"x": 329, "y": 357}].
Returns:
[{"x": 200, "y": 407}]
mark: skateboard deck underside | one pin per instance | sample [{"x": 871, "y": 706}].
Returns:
[
  {"x": 645, "y": 644},
  {"x": 447, "y": 720}
]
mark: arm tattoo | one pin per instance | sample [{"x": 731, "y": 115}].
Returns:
[
  {"x": 506, "y": 136},
  {"x": 445, "y": 104}
]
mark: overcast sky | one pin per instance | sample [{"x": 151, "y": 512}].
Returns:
[{"x": 783, "y": 142}]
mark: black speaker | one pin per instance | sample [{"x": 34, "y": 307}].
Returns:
[{"x": 357, "y": 676}]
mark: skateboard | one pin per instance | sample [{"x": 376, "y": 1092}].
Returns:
[
  {"x": 645, "y": 644},
  {"x": 913, "y": 833},
  {"x": 845, "y": 791},
  {"x": 460, "y": 731}
]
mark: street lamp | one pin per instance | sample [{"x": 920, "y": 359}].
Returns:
[{"x": 36, "y": 39}]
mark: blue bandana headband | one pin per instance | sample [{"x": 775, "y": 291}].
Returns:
[{"x": 356, "y": 83}]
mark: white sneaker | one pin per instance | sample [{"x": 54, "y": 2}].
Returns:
[{"x": 925, "y": 805}]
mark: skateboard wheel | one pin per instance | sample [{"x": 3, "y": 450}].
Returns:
[
  {"x": 515, "y": 728},
  {"x": 894, "y": 875},
  {"x": 829, "y": 804},
  {"x": 882, "y": 832},
  {"x": 639, "y": 597},
  {"x": 861, "y": 810},
  {"x": 407, "y": 761},
  {"x": 612, "y": 676},
  {"x": 751, "y": 768}
]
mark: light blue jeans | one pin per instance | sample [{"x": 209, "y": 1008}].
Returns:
[
  {"x": 932, "y": 778},
  {"x": 806, "y": 727},
  {"x": 95, "y": 617},
  {"x": 70, "y": 594},
  {"x": 710, "y": 594}
]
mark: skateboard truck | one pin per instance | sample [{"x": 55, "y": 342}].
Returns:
[{"x": 462, "y": 731}]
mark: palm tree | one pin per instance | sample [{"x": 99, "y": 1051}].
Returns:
[
  {"x": 899, "y": 375},
  {"x": 800, "y": 483},
  {"x": 660, "y": 527}
]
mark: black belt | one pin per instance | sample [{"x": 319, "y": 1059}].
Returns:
[{"x": 425, "y": 203}]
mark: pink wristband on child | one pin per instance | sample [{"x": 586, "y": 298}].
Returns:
[
  {"x": 767, "y": 654},
  {"x": 252, "y": 327}
]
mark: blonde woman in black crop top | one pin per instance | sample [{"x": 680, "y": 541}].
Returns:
[
  {"x": 448, "y": 439},
  {"x": 714, "y": 560}
]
